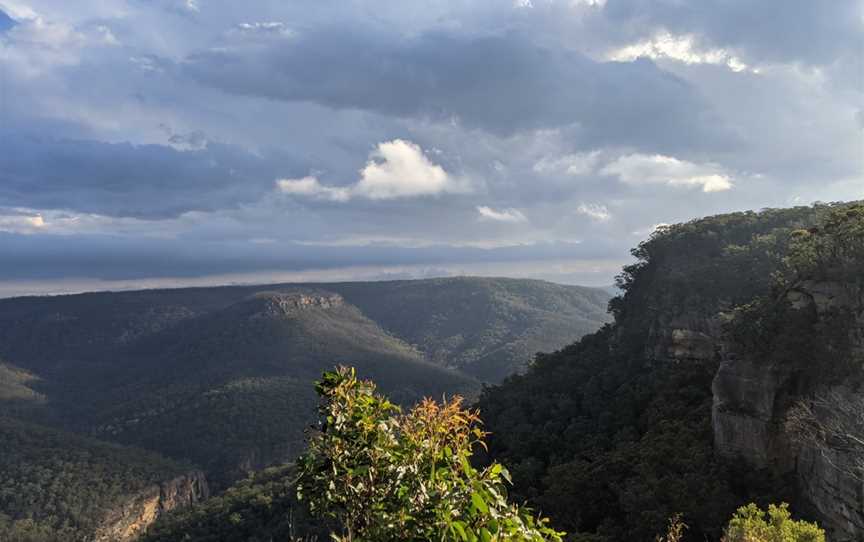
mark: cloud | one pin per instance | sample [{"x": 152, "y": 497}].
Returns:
[
  {"x": 396, "y": 169},
  {"x": 266, "y": 28},
  {"x": 400, "y": 169},
  {"x": 639, "y": 169},
  {"x": 312, "y": 188},
  {"x": 570, "y": 164},
  {"x": 21, "y": 222},
  {"x": 501, "y": 82},
  {"x": 503, "y": 215},
  {"x": 40, "y": 256},
  {"x": 767, "y": 31},
  {"x": 594, "y": 211},
  {"x": 152, "y": 181},
  {"x": 681, "y": 48},
  {"x": 17, "y": 10},
  {"x": 146, "y": 118}
]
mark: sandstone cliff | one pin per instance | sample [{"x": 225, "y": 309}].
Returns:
[
  {"x": 129, "y": 521},
  {"x": 753, "y": 397}
]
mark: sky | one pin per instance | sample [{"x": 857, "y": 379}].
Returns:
[{"x": 149, "y": 143}]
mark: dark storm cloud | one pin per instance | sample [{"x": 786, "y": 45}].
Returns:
[
  {"x": 806, "y": 31},
  {"x": 121, "y": 179},
  {"x": 110, "y": 257},
  {"x": 500, "y": 82}
]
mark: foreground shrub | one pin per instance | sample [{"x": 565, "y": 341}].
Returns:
[
  {"x": 750, "y": 524},
  {"x": 381, "y": 475}
]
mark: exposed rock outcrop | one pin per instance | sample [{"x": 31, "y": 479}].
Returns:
[
  {"x": 752, "y": 398},
  {"x": 837, "y": 497},
  {"x": 277, "y": 304},
  {"x": 128, "y": 522}
]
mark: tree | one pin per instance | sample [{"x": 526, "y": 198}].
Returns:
[
  {"x": 382, "y": 475},
  {"x": 832, "y": 423},
  {"x": 751, "y": 524}
]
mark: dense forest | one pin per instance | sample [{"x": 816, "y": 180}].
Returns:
[{"x": 57, "y": 487}]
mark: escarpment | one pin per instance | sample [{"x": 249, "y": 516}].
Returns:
[
  {"x": 754, "y": 395},
  {"x": 796, "y": 336},
  {"x": 725, "y": 326},
  {"x": 130, "y": 520}
]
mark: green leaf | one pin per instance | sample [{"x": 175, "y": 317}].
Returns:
[
  {"x": 459, "y": 527},
  {"x": 479, "y": 503}
]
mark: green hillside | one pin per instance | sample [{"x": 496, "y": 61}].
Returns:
[
  {"x": 486, "y": 327},
  {"x": 220, "y": 377},
  {"x": 230, "y": 390}
]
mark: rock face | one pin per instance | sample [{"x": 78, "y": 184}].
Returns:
[
  {"x": 752, "y": 398},
  {"x": 744, "y": 412},
  {"x": 278, "y": 304},
  {"x": 837, "y": 497},
  {"x": 129, "y": 521}
]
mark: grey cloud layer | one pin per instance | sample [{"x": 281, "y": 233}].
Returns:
[
  {"x": 110, "y": 257},
  {"x": 502, "y": 82},
  {"x": 144, "y": 181}
]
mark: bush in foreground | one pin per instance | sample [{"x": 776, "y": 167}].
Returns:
[
  {"x": 751, "y": 524},
  {"x": 383, "y": 475}
]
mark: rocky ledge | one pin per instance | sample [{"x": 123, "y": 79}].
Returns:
[
  {"x": 126, "y": 523},
  {"x": 269, "y": 304}
]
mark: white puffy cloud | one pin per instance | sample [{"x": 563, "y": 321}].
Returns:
[
  {"x": 502, "y": 215},
  {"x": 681, "y": 48},
  {"x": 310, "y": 187},
  {"x": 399, "y": 169},
  {"x": 594, "y": 211},
  {"x": 396, "y": 169},
  {"x": 639, "y": 169}
]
